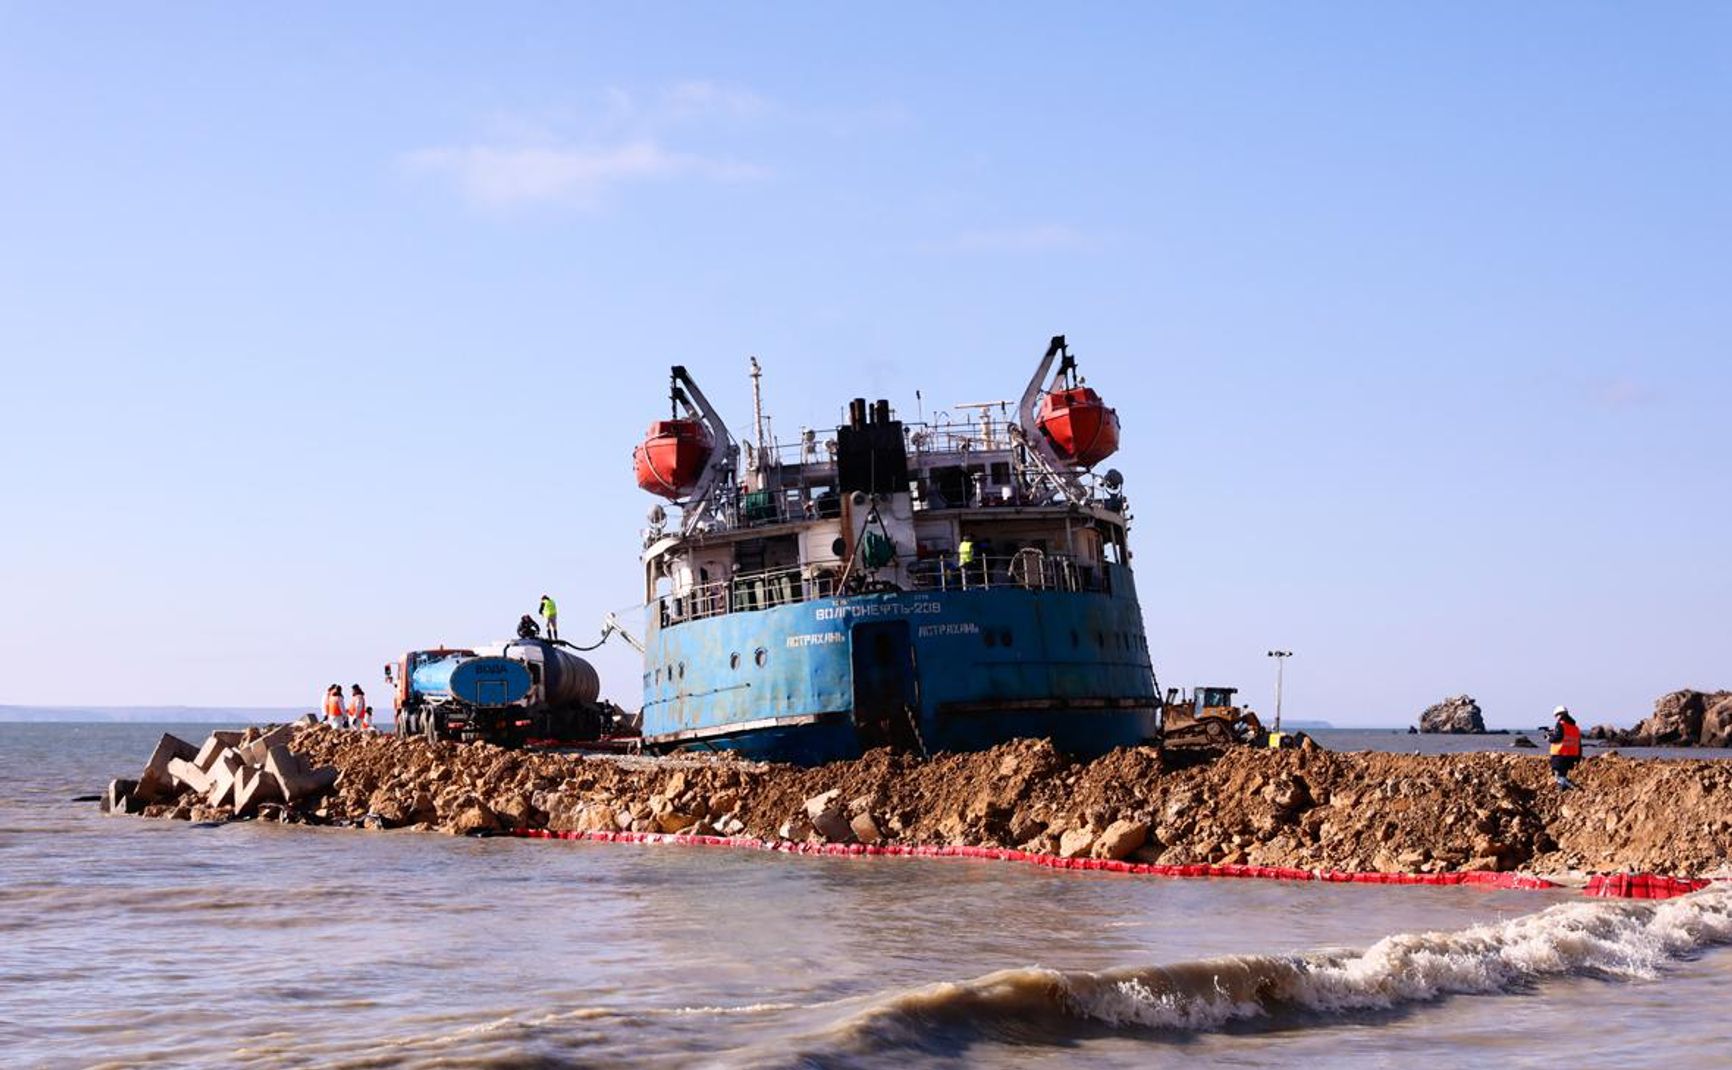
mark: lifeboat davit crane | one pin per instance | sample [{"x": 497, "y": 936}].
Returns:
[
  {"x": 1082, "y": 430},
  {"x": 681, "y": 457},
  {"x": 1066, "y": 426}
]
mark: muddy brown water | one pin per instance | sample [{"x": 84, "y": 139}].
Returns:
[{"x": 128, "y": 942}]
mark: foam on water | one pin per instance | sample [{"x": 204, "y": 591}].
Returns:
[{"x": 1609, "y": 939}]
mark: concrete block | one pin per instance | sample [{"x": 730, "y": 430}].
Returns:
[
  {"x": 189, "y": 775},
  {"x": 299, "y": 782},
  {"x": 118, "y": 798},
  {"x": 283, "y": 763},
  {"x": 253, "y": 787},
  {"x": 253, "y": 752},
  {"x": 215, "y": 745},
  {"x": 155, "y": 783},
  {"x": 223, "y": 776}
]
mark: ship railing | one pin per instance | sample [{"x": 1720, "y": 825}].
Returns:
[
  {"x": 942, "y": 435},
  {"x": 744, "y": 592},
  {"x": 1028, "y": 569}
]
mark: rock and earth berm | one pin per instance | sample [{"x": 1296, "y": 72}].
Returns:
[{"x": 1305, "y": 808}]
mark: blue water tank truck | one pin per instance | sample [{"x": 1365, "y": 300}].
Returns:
[{"x": 526, "y": 690}]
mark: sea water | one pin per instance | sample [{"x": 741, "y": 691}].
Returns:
[{"x": 128, "y": 942}]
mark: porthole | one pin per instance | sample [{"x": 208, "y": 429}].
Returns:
[
  {"x": 990, "y": 636},
  {"x": 734, "y": 660},
  {"x": 1004, "y": 637},
  {"x": 1073, "y": 639},
  {"x": 760, "y": 656}
]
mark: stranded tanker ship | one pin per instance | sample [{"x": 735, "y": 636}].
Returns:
[{"x": 927, "y": 586}]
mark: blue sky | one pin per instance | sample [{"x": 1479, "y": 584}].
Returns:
[{"x": 327, "y": 331}]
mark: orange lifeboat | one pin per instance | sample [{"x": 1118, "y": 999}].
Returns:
[
  {"x": 672, "y": 457},
  {"x": 1079, "y": 425}
]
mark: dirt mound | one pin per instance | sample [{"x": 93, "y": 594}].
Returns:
[{"x": 1309, "y": 808}]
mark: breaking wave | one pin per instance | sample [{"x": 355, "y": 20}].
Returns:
[{"x": 1614, "y": 940}]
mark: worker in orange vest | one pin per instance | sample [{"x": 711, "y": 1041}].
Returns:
[
  {"x": 1566, "y": 740},
  {"x": 334, "y": 705},
  {"x": 358, "y": 708}
]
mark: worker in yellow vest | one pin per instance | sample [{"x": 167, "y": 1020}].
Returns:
[
  {"x": 358, "y": 708},
  {"x": 1566, "y": 740},
  {"x": 334, "y": 705},
  {"x": 550, "y": 613},
  {"x": 965, "y": 556}
]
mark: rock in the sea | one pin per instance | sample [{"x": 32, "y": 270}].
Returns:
[
  {"x": 1455, "y": 716},
  {"x": 1686, "y": 718},
  {"x": 1717, "y": 721},
  {"x": 1523, "y": 741}
]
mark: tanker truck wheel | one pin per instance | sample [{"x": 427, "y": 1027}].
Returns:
[{"x": 430, "y": 725}]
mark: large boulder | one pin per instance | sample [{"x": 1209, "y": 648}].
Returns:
[
  {"x": 1687, "y": 718},
  {"x": 1121, "y": 838},
  {"x": 1717, "y": 720},
  {"x": 1455, "y": 716}
]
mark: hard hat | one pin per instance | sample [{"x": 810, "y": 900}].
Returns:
[{"x": 1560, "y": 711}]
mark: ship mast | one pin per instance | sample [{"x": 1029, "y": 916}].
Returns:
[{"x": 757, "y": 458}]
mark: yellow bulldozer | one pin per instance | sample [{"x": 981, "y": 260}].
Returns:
[{"x": 1208, "y": 717}]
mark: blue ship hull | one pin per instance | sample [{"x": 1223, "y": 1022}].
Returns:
[{"x": 930, "y": 671}]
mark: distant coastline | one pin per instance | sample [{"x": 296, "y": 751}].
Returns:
[{"x": 149, "y": 714}]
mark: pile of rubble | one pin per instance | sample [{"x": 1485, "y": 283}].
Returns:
[
  {"x": 1304, "y": 808},
  {"x": 235, "y": 774}
]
